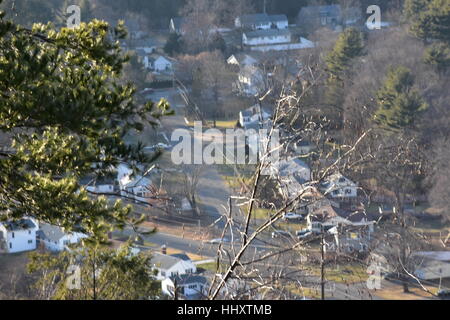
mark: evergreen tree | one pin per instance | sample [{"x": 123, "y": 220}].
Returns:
[
  {"x": 413, "y": 8},
  {"x": 433, "y": 22},
  {"x": 173, "y": 45},
  {"x": 438, "y": 56},
  {"x": 67, "y": 114},
  {"x": 94, "y": 273},
  {"x": 399, "y": 104},
  {"x": 348, "y": 46}
]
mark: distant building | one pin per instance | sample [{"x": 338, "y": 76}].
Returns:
[
  {"x": 253, "y": 114},
  {"x": 291, "y": 168},
  {"x": 160, "y": 64},
  {"x": 18, "y": 236},
  {"x": 264, "y": 37},
  {"x": 331, "y": 16},
  {"x": 242, "y": 60},
  {"x": 250, "y": 81},
  {"x": 178, "y": 25},
  {"x": 339, "y": 187},
  {"x": 188, "y": 286},
  {"x": 262, "y": 21},
  {"x": 172, "y": 265},
  {"x": 432, "y": 265},
  {"x": 312, "y": 17},
  {"x": 55, "y": 239}
]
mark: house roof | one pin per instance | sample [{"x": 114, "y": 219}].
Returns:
[
  {"x": 434, "y": 255},
  {"x": 23, "y": 224},
  {"x": 330, "y": 10},
  {"x": 164, "y": 261},
  {"x": 186, "y": 279},
  {"x": 336, "y": 181},
  {"x": 49, "y": 232},
  {"x": 243, "y": 59},
  {"x": 267, "y": 33},
  {"x": 290, "y": 166},
  {"x": 138, "y": 181},
  {"x": 249, "y": 19},
  {"x": 181, "y": 256},
  {"x": 178, "y": 22}
]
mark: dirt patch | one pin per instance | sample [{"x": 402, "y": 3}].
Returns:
[
  {"x": 14, "y": 280},
  {"x": 185, "y": 232}
]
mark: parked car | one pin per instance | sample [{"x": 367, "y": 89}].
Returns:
[
  {"x": 159, "y": 146},
  {"x": 280, "y": 233},
  {"x": 444, "y": 294},
  {"x": 147, "y": 91},
  {"x": 293, "y": 216},
  {"x": 303, "y": 234},
  {"x": 219, "y": 240}
]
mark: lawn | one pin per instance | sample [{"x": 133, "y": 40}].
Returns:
[
  {"x": 311, "y": 293},
  {"x": 212, "y": 266},
  {"x": 347, "y": 274},
  {"x": 220, "y": 124}
]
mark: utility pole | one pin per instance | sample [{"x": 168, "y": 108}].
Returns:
[{"x": 322, "y": 263}]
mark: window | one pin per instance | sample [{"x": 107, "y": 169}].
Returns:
[
  {"x": 193, "y": 286},
  {"x": 189, "y": 271},
  {"x": 174, "y": 274},
  {"x": 348, "y": 191},
  {"x": 13, "y": 235},
  {"x": 66, "y": 242},
  {"x": 30, "y": 241},
  {"x": 163, "y": 273},
  {"x": 10, "y": 245}
]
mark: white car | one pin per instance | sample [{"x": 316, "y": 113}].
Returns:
[
  {"x": 159, "y": 146},
  {"x": 218, "y": 241},
  {"x": 292, "y": 216}
]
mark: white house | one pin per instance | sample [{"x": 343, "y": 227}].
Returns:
[
  {"x": 160, "y": 64},
  {"x": 172, "y": 265},
  {"x": 266, "y": 37},
  {"x": 55, "y": 239},
  {"x": 177, "y": 25},
  {"x": 339, "y": 187},
  {"x": 138, "y": 188},
  {"x": 432, "y": 265},
  {"x": 261, "y": 21},
  {"x": 189, "y": 286},
  {"x": 302, "y": 44},
  {"x": 241, "y": 60},
  {"x": 253, "y": 114},
  {"x": 102, "y": 186},
  {"x": 251, "y": 80},
  {"x": 291, "y": 167},
  {"x": 18, "y": 236}
]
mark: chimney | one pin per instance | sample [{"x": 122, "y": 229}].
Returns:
[{"x": 164, "y": 249}]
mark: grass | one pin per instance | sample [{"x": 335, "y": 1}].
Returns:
[
  {"x": 396, "y": 293},
  {"x": 347, "y": 274},
  {"x": 220, "y": 124},
  {"x": 297, "y": 290},
  {"x": 212, "y": 266}
]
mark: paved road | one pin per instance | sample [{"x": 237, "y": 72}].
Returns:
[{"x": 213, "y": 193}]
